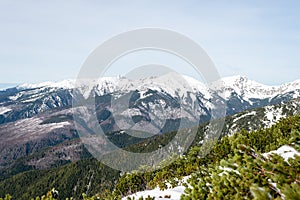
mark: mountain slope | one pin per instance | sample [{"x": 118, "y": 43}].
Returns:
[
  {"x": 262, "y": 164},
  {"x": 37, "y": 129},
  {"x": 238, "y": 92},
  {"x": 42, "y": 111},
  {"x": 62, "y": 154},
  {"x": 263, "y": 117}
]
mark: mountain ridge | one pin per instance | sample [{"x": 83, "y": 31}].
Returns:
[
  {"x": 237, "y": 82},
  {"x": 69, "y": 83},
  {"x": 46, "y": 115}
]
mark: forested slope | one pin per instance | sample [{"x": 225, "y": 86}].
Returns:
[{"x": 239, "y": 166}]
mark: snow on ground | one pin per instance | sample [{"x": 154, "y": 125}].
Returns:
[
  {"x": 15, "y": 97},
  {"x": 227, "y": 169},
  {"x": 274, "y": 185},
  {"x": 4, "y": 110},
  {"x": 244, "y": 115},
  {"x": 273, "y": 115},
  {"x": 285, "y": 152},
  {"x": 173, "y": 193},
  {"x": 168, "y": 194},
  {"x": 30, "y": 128},
  {"x": 57, "y": 125}
]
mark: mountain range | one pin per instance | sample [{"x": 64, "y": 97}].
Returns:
[
  {"x": 239, "y": 94},
  {"x": 33, "y": 116},
  {"x": 37, "y": 129}
]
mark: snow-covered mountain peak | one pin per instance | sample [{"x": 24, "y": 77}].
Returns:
[
  {"x": 170, "y": 83},
  {"x": 66, "y": 84},
  {"x": 235, "y": 79},
  {"x": 238, "y": 92},
  {"x": 290, "y": 86},
  {"x": 242, "y": 82},
  {"x": 248, "y": 89},
  {"x": 174, "y": 85}
]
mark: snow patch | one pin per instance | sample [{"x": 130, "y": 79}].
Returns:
[
  {"x": 4, "y": 110},
  {"x": 273, "y": 115},
  {"x": 58, "y": 125},
  {"x": 168, "y": 194},
  {"x": 285, "y": 152},
  {"x": 244, "y": 115},
  {"x": 227, "y": 169}
]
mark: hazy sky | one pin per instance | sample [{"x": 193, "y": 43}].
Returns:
[{"x": 49, "y": 40}]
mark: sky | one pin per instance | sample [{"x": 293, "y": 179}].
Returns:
[{"x": 50, "y": 40}]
